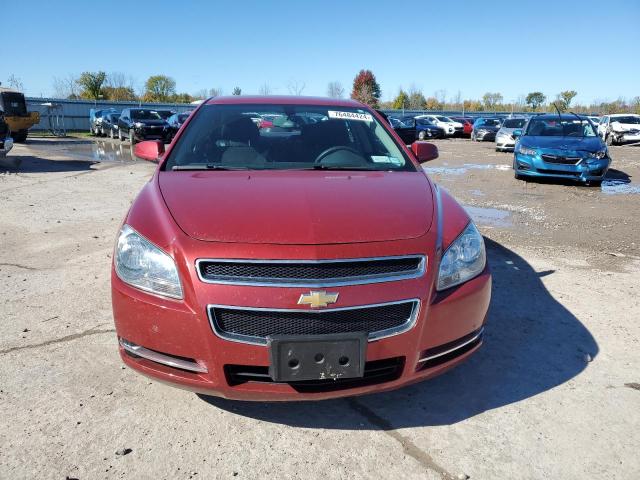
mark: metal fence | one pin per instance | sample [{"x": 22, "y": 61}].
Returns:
[{"x": 76, "y": 112}]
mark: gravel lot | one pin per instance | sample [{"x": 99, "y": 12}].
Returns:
[{"x": 553, "y": 393}]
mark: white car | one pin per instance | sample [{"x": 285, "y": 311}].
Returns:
[
  {"x": 450, "y": 127},
  {"x": 619, "y": 128}
]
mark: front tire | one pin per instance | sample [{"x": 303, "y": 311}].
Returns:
[
  {"x": 120, "y": 136},
  {"x": 422, "y": 135},
  {"x": 20, "y": 136},
  {"x": 132, "y": 137}
]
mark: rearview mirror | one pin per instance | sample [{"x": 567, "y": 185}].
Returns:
[
  {"x": 150, "y": 150},
  {"x": 424, "y": 151},
  {"x": 517, "y": 133}
]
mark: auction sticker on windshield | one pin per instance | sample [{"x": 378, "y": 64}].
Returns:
[{"x": 363, "y": 117}]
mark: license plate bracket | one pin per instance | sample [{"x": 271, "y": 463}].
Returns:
[{"x": 317, "y": 357}]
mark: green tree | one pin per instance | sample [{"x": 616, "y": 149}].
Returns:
[
  {"x": 182, "y": 98},
  {"x": 159, "y": 88},
  {"x": 91, "y": 84},
  {"x": 492, "y": 100},
  {"x": 119, "y": 94},
  {"x": 535, "y": 99},
  {"x": 401, "y": 101},
  {"x": 236, "y": 91},
  {"x": 416, "y": 99},
  {"x": 366, "y": 89},
  {"x": 565, "y": 98}
]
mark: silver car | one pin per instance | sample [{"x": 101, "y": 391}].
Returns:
[{"x": 505, "y": 141}]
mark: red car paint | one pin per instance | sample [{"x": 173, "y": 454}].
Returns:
[
  {"x": 467, "y": 124},
  {"x": 302, "y": 215}
]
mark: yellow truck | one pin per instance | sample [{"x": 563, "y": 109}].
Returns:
[{"x": 16, "y": 115}]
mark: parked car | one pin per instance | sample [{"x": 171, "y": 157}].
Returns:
[
  {"x": 505, "y": 141},
  {"x": 261, "y": 266},
  {"x": 560, "y": 146},
  {"x": 485, "y": 129},
  {"x": 405, "y": 128},
  {"x": 109, "y": 124},
  {"x": 426, "y": 128},
  {"x": 450, "y": 126},
  {"x": 95, "y": 120},
  {"x": 142, "y": 124},
  {"x": 467, "y": 125},
  {"x": 175, "y": 121},
  {"x": 619, "y": 128},
  {"x": 6, "y": 142}
]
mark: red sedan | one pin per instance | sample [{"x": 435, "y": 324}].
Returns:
[
  {"x": 467, "y": 124},
  {"x": 311, "y": 261}
]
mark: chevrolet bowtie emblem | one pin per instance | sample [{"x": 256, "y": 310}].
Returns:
[{"x": 317, "y": 299}]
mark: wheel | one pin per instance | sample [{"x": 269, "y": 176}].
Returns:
[
  {"x": 472, "y": 137},
  {"x": 422, "y": 135},
  {"x": 111, "y": 135},
  {"x": 120, "y": 136},
  {"x": 609, "y": 139},
  {"x": 20, "y": 136},
  {"x": 132, "y": 136},
  {"x": 516, "y": 175},
  {"x": 102, "y": 132},
  {"x": 595, "y": 183}
]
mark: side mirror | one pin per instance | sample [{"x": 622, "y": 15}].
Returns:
[
  {"x": 150, "y": 150},
  {"x": 424, "y": 151},
  {"x": 517, "y": 133}
]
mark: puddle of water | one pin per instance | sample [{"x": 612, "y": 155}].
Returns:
[
  {"x": 465, "y": 168},
  {"x": 98, "y": 151},
  {"x": 619, "y": 187},
  {"x": 489, "y": 216}
]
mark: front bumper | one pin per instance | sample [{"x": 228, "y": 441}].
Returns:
[
  {"x": 151, "y": 133},
  {"x": 586, "y": 170},
  {"x": 448, "y": 329},
  {"x": 505, "y": 143},
  {"x": 630, "y": 137},
  {"x": 485, "y": 136}
]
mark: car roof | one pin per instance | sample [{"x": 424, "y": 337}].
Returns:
[
  {"x": 564, "y": 116},
  {"x": 283, "y": 100},
  {"x": 624, "y": 115}
]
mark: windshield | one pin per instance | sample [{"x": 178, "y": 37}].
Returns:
[
  {"x": 514, "y": 123},
  {"x": 164, "y": 114},
  {"x": 301, "y": 137},
  {"x": 444, "y": 119},
  {"x": 145, "y": 115},
  {"x": 554, "y": 127},
  {"x": 489, "y": 122},
  {"x": 629, "y": 119}
]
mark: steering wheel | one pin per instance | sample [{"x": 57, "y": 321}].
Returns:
[{"x": 331, "y": 150}]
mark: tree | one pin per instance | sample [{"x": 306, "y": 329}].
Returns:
[
  {"x": 182, "y": 98},
  {"x": 159, "y": 88},
  {"x": 264, "y": 89},
  {"x": 236, "y": 91},
  {"x": 215, "y": 92},
  {"x": 91, "y": 84},
  {"x": 366, "y": 89},
  {"x": 441, "y": 96},
  {"x": 432, "y": 103},
  {"x": 535, "y": 99},
  {"x": 564, "y": 99},
  {"x": 472, "y": 105},
  {"x": 401, "y": 101},
  {"x": 335, "y": 90},
  {"x": 416, "y": 99},
  {"x": 491, "y": 100},
  {"x": 15, "y": 82},
  {"x": 119, "y": 94},
  {"x": 296, "y": 87}
]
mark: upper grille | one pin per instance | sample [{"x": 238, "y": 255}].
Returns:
[
  {"x": 254, "y": 325},
  {"x": 310, "y": 273},
  {"x": 561, "y": 160}
]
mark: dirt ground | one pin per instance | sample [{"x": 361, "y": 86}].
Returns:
[{"x": 553, "y": 393}]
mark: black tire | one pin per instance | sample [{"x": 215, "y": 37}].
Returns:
[
  {"x": 609, "y": 140},
  {"x": 111, "y": 135},
  {"x": 132, "y": 137},
  {"x": 516, "y": 175},
  {"x": 595, "y": 183},
  {"x": 472, "y": 137},
  {"x": 422, "y": 135},
  {"x": 120, "y": 136},
  {"x": 20, "y": 136}
]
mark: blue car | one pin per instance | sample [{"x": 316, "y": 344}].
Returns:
[{"x": 560, "y": 146}]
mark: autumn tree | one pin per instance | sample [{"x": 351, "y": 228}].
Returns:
[
  {"x": 335, "y": 90},
  {"x": 535, "y": 99},
  {"x": 366, "y": 89},
  {"x": 159, "y": 88},
  {"x": 432, "y": 103},
  {"x": 416, "y": 99},
  {"x": 91, "y": 84},
  {"x": 401, "y": 101}
]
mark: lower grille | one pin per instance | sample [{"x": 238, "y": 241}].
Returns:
[
  {"x": 249, "y": 325},
  {"x": 375, "y": 372},
  {"x": 560, "y": 160},
  {"x": 558, "y": 172}
]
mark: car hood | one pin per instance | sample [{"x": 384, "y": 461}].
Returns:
[
  {"x": 489, "y": 128},
  {"x": 151, "y": 123},
  {"x": 590, "y": 144},
  {"x": 298, "y": 207},
  {"x": 626, "y": 126}
]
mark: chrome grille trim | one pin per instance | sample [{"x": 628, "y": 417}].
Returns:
[
  {"x": 453, "y": 349},
  {"x": 378, "y": 335},
  {"x": 161, "y": 358},
  {"x": 316, "y": 283}
]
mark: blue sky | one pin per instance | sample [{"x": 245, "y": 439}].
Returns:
[{"x": 513, "y": 47}]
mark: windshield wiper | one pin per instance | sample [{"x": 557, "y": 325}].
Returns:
[
  {"x": 206, "y": 166},
  {"x": 337, "y": 167}
]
